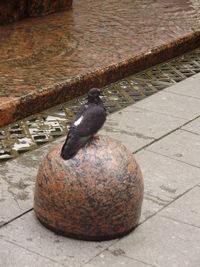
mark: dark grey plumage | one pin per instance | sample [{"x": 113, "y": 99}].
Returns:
[{"x": 89, "y": 119}]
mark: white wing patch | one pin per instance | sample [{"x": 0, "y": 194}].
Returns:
[{"x": 77, "y": 122}]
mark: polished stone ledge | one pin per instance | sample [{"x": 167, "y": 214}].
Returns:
[
  {"x": 14, "y": 10},
  {"x": 52, "y": 59}
]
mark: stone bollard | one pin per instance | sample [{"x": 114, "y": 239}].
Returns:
[{"x": 97, "y": 195}]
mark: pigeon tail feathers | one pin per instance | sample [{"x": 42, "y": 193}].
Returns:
[{"x": 72, "y": 145}]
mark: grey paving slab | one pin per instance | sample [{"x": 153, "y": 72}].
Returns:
[
  {"x": 197, "y": 76},
  {"x": 193, "y": 126},
  {"x": 186, "y": 208},
  {"x": 136, "y": 127},
  {"x": 27, "y": 232},
  {"x": 164, "y": 178},
  {"x": 108, "y": 259},
  {"x": 175, "y": 105},
  {"x": 15, "y": 256},
  {"x": 17, "y": 181},
  {"x": 150, "y": 206},
  {"x": 180, "y": 145},
  {"x": 7, "y": 202},
  {"x": 189, "y": 87},
  {"x": 162, "y": 242}
]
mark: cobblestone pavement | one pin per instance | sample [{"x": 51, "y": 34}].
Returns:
[{"x": 163, "y": 133}]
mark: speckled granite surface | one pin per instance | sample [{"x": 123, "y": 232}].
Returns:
[
  {"x": 49, "y": 60},
  {"x": 96, "y": 195},
  {"x": 14, "y": 10},
  {"x": 43, "y": 7}
]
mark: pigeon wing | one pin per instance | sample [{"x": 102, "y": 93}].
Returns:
[
  {"x": 92, "y": 120},
  {"x": 81, "y": 111},
  {"x": 73, "y": 143},
  {"x": 82, "y": 130}
]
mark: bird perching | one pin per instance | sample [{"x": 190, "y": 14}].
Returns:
[
  {"x": 86, "y": 188},
  {"x": 89, "y": 119}
]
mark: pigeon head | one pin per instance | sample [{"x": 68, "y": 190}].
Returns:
[{"x": 94, "y": 96}]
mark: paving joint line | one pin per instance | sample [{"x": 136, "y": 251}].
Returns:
[
  {"x": 165, "y": 206},
  {"x": 178, "y": 94},
  {"x": 148, "y": 264},
  {"x": 188, "y": 131},
  {"x": 125, "y": 256},
  {"x": 179, "y": 221},
  {"x": 158, "y": 112},
  {"x": 145, "y": 220},
  {"x": 33, "y": 252},
  {"x": 98, "y": 254},
  {"x": 155, "y": 199},
  {"x": 157, "y": 153},
  {"x": 165, "y": 135},
  {"x": 15, "y": 218}
]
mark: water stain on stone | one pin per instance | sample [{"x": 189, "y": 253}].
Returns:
[
  {"x": 111, "y": 123},
  {"x": 118, "y": 252},
  {"x": 16, "y": 189},
  {"x": 22, "y": 196},
  {"x": 138, "y": 135},
  {"x": 179, "y": 155},
  {"x": 57, "y": 241},
  {"x": 168, "y": 189},
  {"x": 21, "y": 185},
  {"x": 99, "y": 247},
  {"x": 155, "y": 199}
]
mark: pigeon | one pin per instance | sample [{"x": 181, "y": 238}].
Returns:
[{"x": 89, "y": 119}]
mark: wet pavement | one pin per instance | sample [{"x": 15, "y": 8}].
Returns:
[
  {"x": 48, "y": 60},
  {"x": 41, "y": 128},
  {"x": 163, "y": 133}
]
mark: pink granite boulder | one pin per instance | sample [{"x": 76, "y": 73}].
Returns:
[{"x": 97, "y": 195}]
